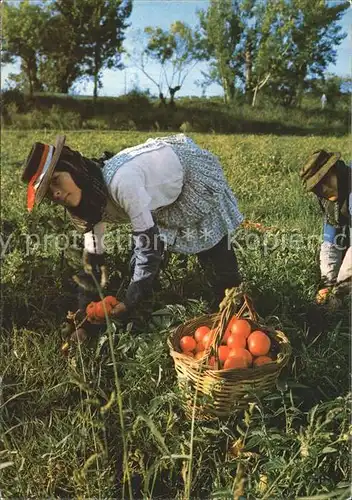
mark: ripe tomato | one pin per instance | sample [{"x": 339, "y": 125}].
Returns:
[
  {"x": 223, "y": 352},
  {"x": 99, "y": 310},
  {"x": 199, "y": 347},
  {"x": 226, "y": 335},
  {"x": 240, "y": 352},
  {"x": 237, "y": 340},
  {"x": 201, "y": 332},
  {"x": 110, "y": 301},
  {"x": 232, "y": 321},
  {"x": 235, "y": 362},
  {"x": 108, "y": 306},
  {"x": 258, "y": 343},
  {"x": 187, "y": 343},
  {"x": 228, "y": 330},
  {"x": 241, "y": 327},
  {"x": 262, "y": 360},
  {"x": 90, "y": 310},
  {"x": 208, "y": 338}
]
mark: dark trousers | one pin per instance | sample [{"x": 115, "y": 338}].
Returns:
[
  {"x": 219, "y": 264},
  {"x": 221, "y": 268}
]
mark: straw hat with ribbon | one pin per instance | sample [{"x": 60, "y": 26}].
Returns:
[
  {"x": 316, "y": 167},
  {"x": 39, "y": 168}
]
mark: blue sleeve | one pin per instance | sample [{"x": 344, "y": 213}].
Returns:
[
  {"x": 147, "y": 256},
  {"x": 330, "y": 233}
]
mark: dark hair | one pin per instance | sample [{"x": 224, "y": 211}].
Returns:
[{"x": 87, "y": 175}]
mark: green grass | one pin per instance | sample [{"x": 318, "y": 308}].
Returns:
[{"x": 60, "y": 421}]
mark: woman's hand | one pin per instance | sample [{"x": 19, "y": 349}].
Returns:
[
  {"x": 119, "y": 309},
  {"x": 97, "y": 311}
]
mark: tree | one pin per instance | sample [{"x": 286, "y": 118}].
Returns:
[
  {"x": 174, "y": 50},
  {"x": 60, "y": 41},
  {"x": 265, "y": 45},
  {"x": 271, "y": 44},
  {"x": 100, "y": 26},
  {"x": 333, "y": 86},
  {"x": 62, "y": 55},
  {"x": 221, "y": 30},
  {"x": 312, "y": 32},
  {"x": 23, "y": 28}
]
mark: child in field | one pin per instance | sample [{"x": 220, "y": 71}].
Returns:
[
  {"x": 329, "y": 178},
  {"x": 172, "y": 192}
]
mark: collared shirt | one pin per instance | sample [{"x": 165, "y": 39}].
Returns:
[{"x": 143, "y": 184}]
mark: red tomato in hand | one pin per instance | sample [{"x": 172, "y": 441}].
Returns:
[
  {"x": 100, "y": 311},
  {"x": 110, "y": 302},
  {"x": 90, "y": 310}
]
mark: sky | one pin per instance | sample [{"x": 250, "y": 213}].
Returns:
[{"x": 163, "y": 13}]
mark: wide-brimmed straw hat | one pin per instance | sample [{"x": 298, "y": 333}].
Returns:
[
  {"x": 316, "y": 167},
  {"x": 39, "y": 168}
]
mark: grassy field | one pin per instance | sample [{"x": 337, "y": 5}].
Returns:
[{"x": 108, "y": 423}]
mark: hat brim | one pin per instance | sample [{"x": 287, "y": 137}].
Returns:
[
  {"x": 44, "y": 185},
  {"x": 316, "y": 178}
]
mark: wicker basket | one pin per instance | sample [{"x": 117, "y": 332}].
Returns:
[{"x": 209, "y": 393}]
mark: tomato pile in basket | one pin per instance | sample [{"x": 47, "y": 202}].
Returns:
[{"x": 241, "y": 346}]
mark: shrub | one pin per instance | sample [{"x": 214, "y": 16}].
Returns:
[
  {"x": 13, "y": 97},
  {"x": 55, "y": 118},
  {"x": 185, "y": 127}
]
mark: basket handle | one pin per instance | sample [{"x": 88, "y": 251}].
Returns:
[
  {"x": 227, "y": 306},
  {"x": 249, "y": 304}
]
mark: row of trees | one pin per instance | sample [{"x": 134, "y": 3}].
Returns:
[
  {"x": 61, "y": 41},
  {"x": 275, "y": 46}
]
